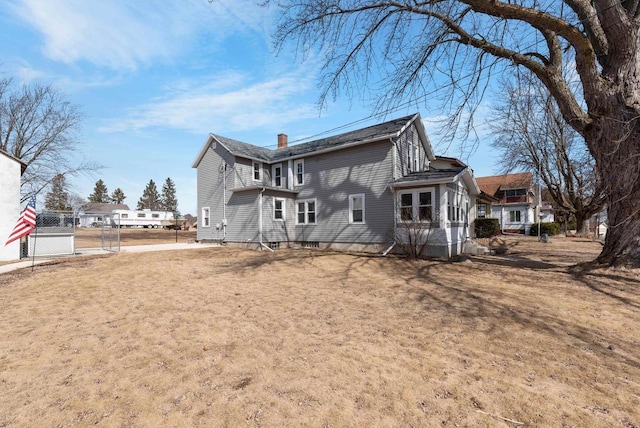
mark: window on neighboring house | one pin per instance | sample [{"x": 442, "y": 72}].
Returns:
[
  {"x": 299, "y": 169},
  {"x": 515, "y": 216},
  {"x": 276, "y": 175},
  {"x": 482, "y": 210},
  {"x": 356, "y": 208},
  {"x": 306, "y": 212},
  {"x": 512, "y": 193},
  {"x": 416, "y": 205},
  {"x": 257, "y": 171},
  {"x": 205, "y": 217},
  {"x": 278, "y": 208}
]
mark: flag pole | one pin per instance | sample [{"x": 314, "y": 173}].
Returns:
[{"x": 33, "y": 256}]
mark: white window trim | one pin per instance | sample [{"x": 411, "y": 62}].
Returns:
[
  {"x": 415, "y": 204},
  {"x": 273, "y": 175},
  {"x": 516, "y": 221},
  {"x": 295, "y": 172},
  {"x": 253, "y": 171},
  {"x": 284, "y": 209},
  {"x": 351, "y": 199},
  {"x": 306, "y": 211},
  {"x": 206, "y": 217}
]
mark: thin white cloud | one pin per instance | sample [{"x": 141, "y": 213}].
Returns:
[
  {"x": 226, "y": 102},
  {"x": 121, "y": 34}
]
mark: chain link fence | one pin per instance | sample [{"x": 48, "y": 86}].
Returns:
[{"x": 54, "y": 235}]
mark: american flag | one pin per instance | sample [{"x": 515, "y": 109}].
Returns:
[{"x": 26, "y": 222}]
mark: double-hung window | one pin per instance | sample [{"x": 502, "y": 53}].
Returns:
[
  {"x": 206, "y": 217},
  {"x": 278, "y": 208},
  {"x": 298, "y": 167},
  {"x": 416, "y": 205},
  {"x": 356, "y": 208},
  {"x": 257, "y": 171},
  {"x": 306, "y": 212},
  {"x": 515, "y": 217},
  {"x": 276, "y": 175},
  {"x": 454, "y": 200},
  {"x": 413, "y": 157},
  {"x": 482, "y": 210}
]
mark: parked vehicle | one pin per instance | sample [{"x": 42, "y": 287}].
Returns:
[{"x": 139, "y": 218}]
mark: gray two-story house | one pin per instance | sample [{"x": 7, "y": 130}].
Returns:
[{"x": 363, "y": 190}]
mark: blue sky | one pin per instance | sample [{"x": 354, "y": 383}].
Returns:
[{"x": 154, "y": 78}]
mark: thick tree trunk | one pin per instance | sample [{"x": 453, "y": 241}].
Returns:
[
  {"x": 582, "y": 225},
  {"x": 617, "y": 155}
]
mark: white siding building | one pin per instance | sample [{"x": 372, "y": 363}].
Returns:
[{"x": 11, "y": 170}]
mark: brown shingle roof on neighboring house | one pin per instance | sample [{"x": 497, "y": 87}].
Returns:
[{"x": 492, "y": 184}]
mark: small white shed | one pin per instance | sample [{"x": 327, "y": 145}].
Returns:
[{"x": 11, "y": 169}]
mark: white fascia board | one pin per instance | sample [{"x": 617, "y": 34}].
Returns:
[
  {"x": 202, "y": 151},
  {"x": 423, "y": 136}
]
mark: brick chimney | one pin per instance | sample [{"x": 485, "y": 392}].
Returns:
[{"x": 283, "y": 140}]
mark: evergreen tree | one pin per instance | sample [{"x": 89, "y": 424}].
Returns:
[
  {"x": 150, "y": 198},
  {"x": 100, "y": 193},
  {"x": 118, "y": 197},
  {"x": 169, "y": 200},
  {"x": 58, "y": 198}
]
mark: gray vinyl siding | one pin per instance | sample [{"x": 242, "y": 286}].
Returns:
[
  {"x": 409, "y": 137},
  {"x": 331, "y": 177},
  {"x": 242, "y": 217},
  {"x": 243, "y": 172},
  {"x": 210, "y": 181},
  {"x": 278, "y": 230}
]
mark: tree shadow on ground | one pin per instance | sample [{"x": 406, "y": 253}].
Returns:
[
  {"x": 486, "y": 310},
  {"x": 621, "y": 285}
]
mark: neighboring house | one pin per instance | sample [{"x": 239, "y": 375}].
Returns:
[
  {"x": 94, "y": 214},
  {"x": 514, "y": 201},
  {"x": 358, "y": 190},
  {"x": 547, "y": 212},
  {"x": 11, "y": 169}
]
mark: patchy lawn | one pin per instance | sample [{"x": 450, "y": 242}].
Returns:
[{"x": 224, "y": 337}]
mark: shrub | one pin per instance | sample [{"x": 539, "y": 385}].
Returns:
[
  {"x": 487, "y": 227},
  {"x": 548, "y": 228}
]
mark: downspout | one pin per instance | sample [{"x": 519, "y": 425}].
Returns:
[
  {"x": 260, "y": 221},
  {"x": 224, "y": 203},
  {"x": 393, "y": 200}
]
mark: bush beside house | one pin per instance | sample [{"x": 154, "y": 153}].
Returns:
[{"x": 548, "y": 228}]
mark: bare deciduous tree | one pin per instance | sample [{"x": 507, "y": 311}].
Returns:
[
  {"x": 38, "y": 125},
  {"x": 532, "y": 136},
  {"x": 412, "y": 44}
]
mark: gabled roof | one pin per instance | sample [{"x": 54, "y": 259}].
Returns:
[
  {"x": 439, "y": 176},
  {"x": 102, "y": 208},
  {"x": 492, "y": 184},
  {"x": 382, "y": 131},
  {"x": 23, "y": 165}
]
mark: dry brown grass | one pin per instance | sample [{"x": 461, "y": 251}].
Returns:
[
  {"x": 91, "y": 237},
  {"x": 224, "y": 337}
]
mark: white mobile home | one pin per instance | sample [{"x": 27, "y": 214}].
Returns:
[{"x": 139, "y": 218}]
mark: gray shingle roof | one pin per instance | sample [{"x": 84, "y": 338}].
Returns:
[
  {"x": 370, "y": 133},
  {"x": 431, "y": 175}
]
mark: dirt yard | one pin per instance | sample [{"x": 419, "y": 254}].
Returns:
[{"x": 225, "y": 337}]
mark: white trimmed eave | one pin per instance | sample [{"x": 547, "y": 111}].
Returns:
[
  {"x": 256, "y": 187},
  {"x": 470, "y": 181},
  {"x": 203, "y": 150},
  {"x": 465, "y": 175},
  {"x": 423, "y": 136}
]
